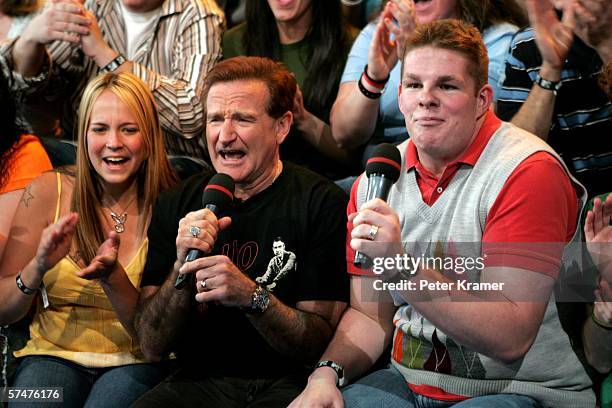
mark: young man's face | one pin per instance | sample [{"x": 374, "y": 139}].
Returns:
[
  {"x": 440, "y": 103},
  {"x": 243, "y": 140},
  {"x": 278, "y": 247}
]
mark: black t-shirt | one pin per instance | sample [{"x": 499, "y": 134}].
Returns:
[{"x": 302, "y": 209}]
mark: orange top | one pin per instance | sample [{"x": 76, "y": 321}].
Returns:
[{"x": 30, "y": 161}]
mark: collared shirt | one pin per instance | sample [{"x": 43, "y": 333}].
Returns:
[{"x": 172, "y": 59}]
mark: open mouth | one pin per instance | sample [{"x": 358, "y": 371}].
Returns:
[
  {"x": 115, "y": 161},
  {"x": 232, "y": 154}
]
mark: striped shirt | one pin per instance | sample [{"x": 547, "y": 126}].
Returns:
[
  {"x": 581, "y": 129},
  {"x": 173, "y": 58}
]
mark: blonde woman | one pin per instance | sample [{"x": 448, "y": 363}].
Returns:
[{"x": 81, "y": 330}]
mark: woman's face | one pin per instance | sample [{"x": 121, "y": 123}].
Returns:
[
  {"x": 288, "y": 11},
  {"x": 114, "y": 143},
  {"x": 431, "y": 10}
]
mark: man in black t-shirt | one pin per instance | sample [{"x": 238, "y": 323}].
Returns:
[{"x": 243, "y": 334}]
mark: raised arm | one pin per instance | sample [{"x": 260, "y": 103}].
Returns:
[
  {"x": 33, "y": 246},
  {"x": 62, "y": 20},
  {"x": 162, "y": 310},
  {"x": 194, "y": 52},
  {"x": 554, "y": 39},
  {"x": 353, "y": 116}
]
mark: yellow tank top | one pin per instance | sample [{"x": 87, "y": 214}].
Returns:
[{"x": 80, "y": 324}]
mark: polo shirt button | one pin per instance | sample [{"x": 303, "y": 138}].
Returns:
[{"x": 439, "y": 190}]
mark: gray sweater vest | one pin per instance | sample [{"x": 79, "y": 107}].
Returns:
[{"x": 550, "y": 371}]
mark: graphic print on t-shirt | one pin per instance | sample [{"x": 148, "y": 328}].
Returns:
[{"x": 281, "y": 263}]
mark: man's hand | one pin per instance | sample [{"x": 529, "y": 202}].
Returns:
[
  {"x": 598, "y": 234},
  {"x": 219, "y": 280},
  {"x": 209, "y": 226},
  {"x": 105, "y": 260},
  {"x": 62, "y": 20},
  {"x": 321, "y": 391},
  {"x": 602, "y": 308},
  {"x": 55, "y": 242},
  {"x": 94, "y": 45},
  {"x": 594, "y": 25},
  {"x": 378, "y": 219},
  {"x": 553, "y": 37}
]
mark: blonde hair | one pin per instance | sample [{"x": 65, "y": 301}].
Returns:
[{"x": 155, "y": 173}]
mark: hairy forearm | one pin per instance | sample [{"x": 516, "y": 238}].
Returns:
[
  {"x": 123, "y": 296},
  {"x": 597, "y": 346},
  {"x": 28, "y": 57},
  {"x": 353, "y": 117},
  {"x": 536, "y": 113},
  {"x": 292, "y": 332},
  {"x": 160, "y": 316}
]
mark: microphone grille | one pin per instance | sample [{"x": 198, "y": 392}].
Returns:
[
  {"x": 219, "y": 191},
  {"x": 385, "y": 160}
]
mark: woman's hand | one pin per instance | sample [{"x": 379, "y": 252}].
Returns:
[{"x": 55, "y": 242}]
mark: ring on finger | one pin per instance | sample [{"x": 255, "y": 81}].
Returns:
[
  {"x": 372, "y": 233},
  {"x": 203, "y": 284},
  {"x": 194, "y": 231}
]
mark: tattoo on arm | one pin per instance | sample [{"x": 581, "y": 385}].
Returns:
[{"x": 26, "y": 197}]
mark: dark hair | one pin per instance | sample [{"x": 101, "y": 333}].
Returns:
[
  {"x": 329, "y": 46},
  {"x": 485, "y": 13},
  {"x": 454, "y": 35},
  {"x": 279, "y": 81},
  {"x": 16, "y": 8},
  {"x": 10, "y": 131}
]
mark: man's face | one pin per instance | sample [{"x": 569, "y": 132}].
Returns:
[
  {"x": 440, "y": 105},
  {"x": 242, "y": 139},
  {"x": 278, "y": 247}
]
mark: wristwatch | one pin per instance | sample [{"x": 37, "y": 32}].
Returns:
[
  {"x": 553, "y": 86},
  {"x": 337, "y": 368},
  {"x": 260, "y": 300}
]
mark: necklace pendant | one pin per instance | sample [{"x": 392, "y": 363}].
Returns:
[{"x": 119, "y": 221}]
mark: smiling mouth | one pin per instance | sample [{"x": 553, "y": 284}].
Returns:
[{"x": 115, "y": 160}]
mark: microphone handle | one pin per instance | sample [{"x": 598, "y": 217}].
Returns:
[
  {"x": 192, "y": 255},
  {"x": 378, "y": 187}
]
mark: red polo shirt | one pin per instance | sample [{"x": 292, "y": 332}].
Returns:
[{"x": 537, "y": 204}]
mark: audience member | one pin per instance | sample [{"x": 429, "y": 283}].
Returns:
[
  {"x": 312, "y": 40},
  {"x": 58, "y": 238},
  {"x": 366, "y": 113},
  {"x": 479, "y": 181},
  {"x": 14, "y": 16},
  {"x": 169, "y": 44},
  {"x": 22, "y": 158},
  {"x": 597, "y": 330},
  {"x": 244, "y": 344},
  {"x": 567, "y": 108}
]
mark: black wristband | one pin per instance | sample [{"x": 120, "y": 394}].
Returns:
[
  {"x": 368, "y": 94},
  {"x": 22, "y": 286},
  {"x": 114, "y": 64},
  {"x": 377, "y": 82}
]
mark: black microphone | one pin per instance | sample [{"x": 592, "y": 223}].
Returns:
[
  {"x": 383, "y": 170},
  {"x": 217, "y": 197}
]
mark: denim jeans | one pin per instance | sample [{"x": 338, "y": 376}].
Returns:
[
  {"x": 387, "y": 388},
  {"x": 90, "y": 387}
]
